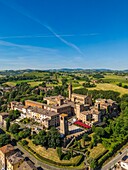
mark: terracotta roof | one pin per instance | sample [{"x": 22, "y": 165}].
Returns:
[
  {"x": 37, "y": 110},
  {"x": 86, "y": 112},
  {"x": 61, "y": 106},
  {"x": 43, "y": 111},
  {"x": 54, "y": 97},
  {"x": 7, "y": 148},
  {"x": 79, "y": 95},
  {"x": 34, "y": 102}
]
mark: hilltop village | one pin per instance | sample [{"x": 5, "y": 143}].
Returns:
[
  {"x": 80, "y": 127},
  {"x": 80, "y": 106}
]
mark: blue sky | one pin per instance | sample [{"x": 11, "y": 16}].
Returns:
[{"x": 42, "y": 34}]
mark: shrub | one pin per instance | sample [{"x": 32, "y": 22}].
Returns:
[
  {"x": 67, "y": 156},
  {"x": 24, "y": 142},
  {"x": 59, "y": 152}
]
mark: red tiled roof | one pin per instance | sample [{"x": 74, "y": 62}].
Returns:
[
  {"x": 82, "y": 124},
  {"x": 7, "y": 148}
]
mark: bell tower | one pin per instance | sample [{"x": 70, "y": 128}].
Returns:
[
  {"x": 64, "y": 124},
  {"x": 70, "y": 91}
]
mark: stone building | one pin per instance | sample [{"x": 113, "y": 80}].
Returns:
[
  {"x": 54, "y": 104},
  {"x": 92, "y": 115},
  {"x": 79, "y": 98},
  {"x": 33, "y": 104},
  {"x": 83, "y": 99},
  {"x": 45, "y": 117},
  {"x": 108, "y": 104},
  {"x": 54, "y": 100},
  {"x": 39, "y": 113},
  {"x": 5, "y": 151},
  {"x": 75, "y": 104}
]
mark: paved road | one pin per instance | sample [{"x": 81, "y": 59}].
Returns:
[
  {"x": 27, "y": 154},
  {"x": 115, "y": 159}
]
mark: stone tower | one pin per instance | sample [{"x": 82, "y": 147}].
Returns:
[
  {"x": 79, "y": 109},
  {"x": 64, "y": 124},
  {"x": 70, "y": 91}
]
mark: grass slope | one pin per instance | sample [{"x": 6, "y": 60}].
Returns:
[{"x": 107, "y": 86}]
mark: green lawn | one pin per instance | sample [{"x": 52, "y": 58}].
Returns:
[
  {"x": 96, "y": 151},
  {"x": 49, "y": 153}
]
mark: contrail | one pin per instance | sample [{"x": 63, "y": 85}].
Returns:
[
  {"x": 64, "y": 41},
  {"x": 26, "y": 13},
  {"x": 47, "y": 36}
]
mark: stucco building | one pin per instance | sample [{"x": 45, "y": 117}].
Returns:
[{"x": 14, "y": 161}]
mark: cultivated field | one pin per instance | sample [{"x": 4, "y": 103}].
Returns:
[
  {"x": 115, "y": 79},
  {"x": 110, "y": 81}
]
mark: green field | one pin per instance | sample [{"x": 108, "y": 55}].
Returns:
[
  {"x": 100, "y": 86},
  {"x": 107, "y": 86},
  {"x": 115, "y": 79},
  {"x": 10, "y": 83},
  {"x": 34, "y": 83},
  {"x": 110, "y": 81},
  {"x": 13, "y": 83}
]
